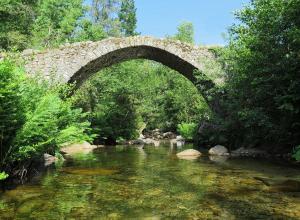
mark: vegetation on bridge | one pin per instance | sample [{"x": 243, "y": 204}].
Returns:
[{"x": 259, "y": 97}]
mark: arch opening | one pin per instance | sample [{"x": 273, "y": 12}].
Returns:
[
  {"x": 163, "y": 97},
  {"x": 130, "y": 53}
]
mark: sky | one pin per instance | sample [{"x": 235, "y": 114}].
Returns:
[{"x": 211, "y": 18}]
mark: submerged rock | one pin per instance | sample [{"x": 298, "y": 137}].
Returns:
[
  {"x": 286, "y": 186},
  {"x": 262, "y": 179},
  {"x": 190, "y": 154},
  {"x": 23, "y": 192},
  {"x": 280, "y": 186},
  {"x": 89, "y": 171},
  {"x": 30, "y": 205},
  {"x": 218, "y": 150},
  {"x": 114, "y": 216}
]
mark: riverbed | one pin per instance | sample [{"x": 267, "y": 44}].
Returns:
[{"x": 130, "y": 182}]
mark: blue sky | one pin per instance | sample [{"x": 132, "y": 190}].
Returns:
[{"x": 211, "y": 18}]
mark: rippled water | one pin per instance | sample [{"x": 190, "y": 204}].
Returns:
[{"x": 152, "y": 183}]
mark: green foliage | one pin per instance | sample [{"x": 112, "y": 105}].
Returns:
[
  {"x": 50, "y": 125},
  {"x": 188, "y": 130},
  {"x": 89, "y": 31},
  {"x": 181, "y": 103},
  {"x": 105, "y": 13},
  {"x": 296, "y": 154},
  {"x": 11, "y": 109},
  {"x": 127, "y": 17},
  {"x": 116, "y": 116},
  {"x": 185, "y": 33},
  {"x": 158, "y": 97},
  {"x": 16, "y": 19},
  {"x": 56, "y": 22},
  {"x": 3, "y": 176},
  {"x": 262, "y": 99},
  {"x": 35, "y": 117},
  {"x": 258, "y": 97}
]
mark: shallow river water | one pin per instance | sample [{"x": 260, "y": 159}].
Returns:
[{"x": 152, "y": 183}]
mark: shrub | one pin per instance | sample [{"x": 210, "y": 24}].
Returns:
[
  {"x": 296, "y": 154},
  {"x": 3, "y": 176},
  {"x": 187, "y": 130},
  {"x": 11, "y": 110},
  {"x": 35, "y": 118},
  {"x": 52, "y": 123}
]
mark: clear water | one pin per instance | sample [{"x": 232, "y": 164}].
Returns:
[{"x": 152, "y": 183}]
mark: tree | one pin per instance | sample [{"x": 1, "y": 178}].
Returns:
[
  {"x": 185, "y": 33},
  {"x": 127, "y": 17},
  {"x": 104, "y": 12},
  {"x": 16, "y": 19},
  {"x": 56, "y": 21},
  {"x": 263, "y": 84},
  {"x": 116, "y": 118},
  {"x": 87, "y": 30}
]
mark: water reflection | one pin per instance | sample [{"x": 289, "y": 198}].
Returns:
[
  {"x": 178, "y": 143},
  {"x": 218, "y": 159},
  {"x": 151, "y": 182}
]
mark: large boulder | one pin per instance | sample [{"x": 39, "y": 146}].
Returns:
[
  {"x": 189, "y": 154},
  {"x": 72, "y": 149},
  {"x": 218, "y": 150},
  {"x": 179, "y": 138},
  {"x": 49, "y": 159}
]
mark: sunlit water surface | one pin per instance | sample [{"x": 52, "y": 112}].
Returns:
[{"x": 152, "y": 183}]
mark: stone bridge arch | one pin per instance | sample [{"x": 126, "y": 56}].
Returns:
[{"x": 74, "y": 63}]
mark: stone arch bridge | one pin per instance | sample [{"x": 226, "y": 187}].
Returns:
[{"x": 74, "y": 63}]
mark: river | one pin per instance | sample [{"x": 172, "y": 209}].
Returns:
[{"x": 127, "y": 182}]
